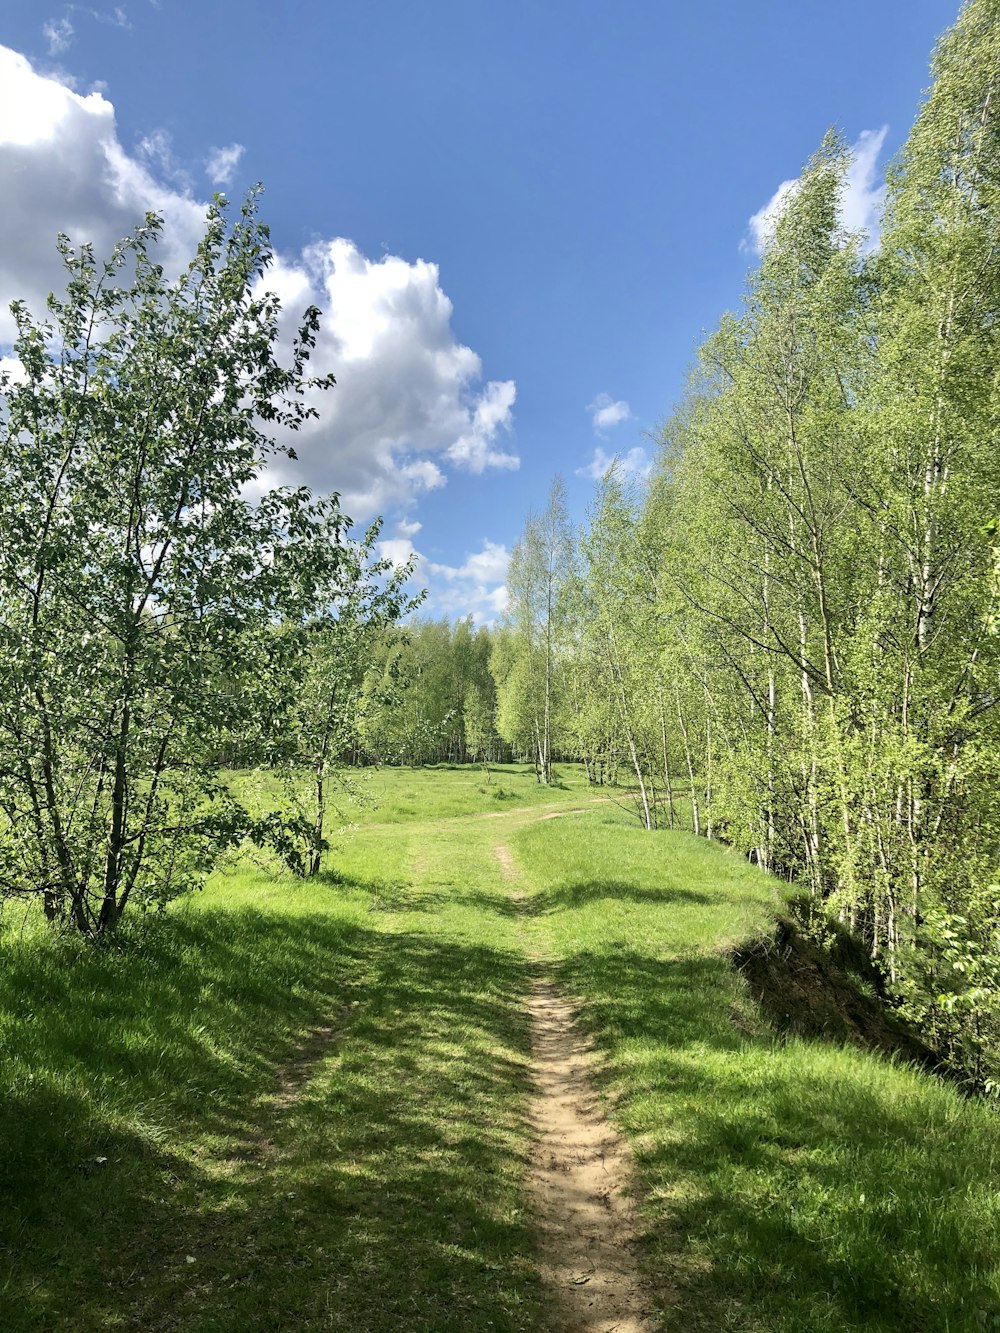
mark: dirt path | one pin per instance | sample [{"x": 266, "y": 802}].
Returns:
[{"x": 579, "y": 1175}]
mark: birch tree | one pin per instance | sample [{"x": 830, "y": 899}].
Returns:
[{"x": 526, "y": 666}]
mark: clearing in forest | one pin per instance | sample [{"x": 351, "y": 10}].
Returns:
[{"x": 336, "y": 1104}]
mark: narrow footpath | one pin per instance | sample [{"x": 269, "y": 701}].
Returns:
[{"x": 580, "y": 1172}]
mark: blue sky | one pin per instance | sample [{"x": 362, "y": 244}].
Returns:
[{"x": 520, "y": 217}]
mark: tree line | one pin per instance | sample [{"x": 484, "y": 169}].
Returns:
[{"x": 796, "y": 618}]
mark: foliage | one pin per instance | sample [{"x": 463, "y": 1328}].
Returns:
[
  {"x": 141, "y": 590},
  {"x": 527, "y": 666},
  {"x": 419, "y": 695},
  {"x": 799, "y": 614},
  {"x": 361, "y": 602}
]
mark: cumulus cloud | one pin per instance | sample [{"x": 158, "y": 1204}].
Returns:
[
  {"x": 633, "y": 464},
  {"x": 62, "y": 168},
  {"x": 409, "y": 399},
  {"x": 398, "y": 551},
  {"x": 476, "y": 587},
  {"x": 486, "y": 566},
  {"x": 221, "y": 163},
  {"x": 605, "y": 412},
  {"x": 410, "y": 403},
  {"x": 860, "y": 206},
  {"x": 11, "y": 368},
  {"x": 474, "y": 449}
]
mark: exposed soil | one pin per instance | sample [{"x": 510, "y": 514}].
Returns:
[
  {"x": 507, "y": 865},
  {"x": 579, "y": 1177},
  {"x": 804, "y": 990},
  {"x": 578, "y": 810},
  {"x": 580, "y": 1173}
]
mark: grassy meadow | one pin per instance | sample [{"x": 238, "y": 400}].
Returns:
[{"x": 289, "y": 1105}]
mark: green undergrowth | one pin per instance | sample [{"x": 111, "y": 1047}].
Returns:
[
  {"x": 284, "y": 1105},
  {"x": 788, "y": 1186},
  {"x": 279, "y": 1106}
]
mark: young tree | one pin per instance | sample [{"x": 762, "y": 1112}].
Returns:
[
  {"x": 931, "y": 420},
  {"x": 140, "y": 588},
  {"x": 526, "y": 666},
  {"x": 618, "y": 629},
  {"x": 480, "y": 725},
  {"x": 363, "y": 599}
]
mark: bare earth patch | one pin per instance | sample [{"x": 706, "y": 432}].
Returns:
[
  {"x": 506, "y": 861},
  {"x": 580, "y": 1172},
  {"x": 579, "y": 1176},
  {"x": 577, "y": 810}
]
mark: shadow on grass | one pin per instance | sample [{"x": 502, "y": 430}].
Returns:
[
  {"x": 792, "y": 1185},
  {"x": 387, "y": 895},
  {"x": 401, "y": 896},
  {"x": 582, "y": 894},
  {"x": 439, "y": 900},
  {"x": 156, "y": 1176}
]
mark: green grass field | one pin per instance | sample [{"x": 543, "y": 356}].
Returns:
[{"x": 286, "y": 1105}]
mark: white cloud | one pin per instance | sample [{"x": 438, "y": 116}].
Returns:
[
  {"x": 474, "y": 588},
  {"x": 397, "y": 550},
  {"x": 410, "y": 402},
  {"x": 63, "y": 168},
  {"x": 157, "y": 151},
  {"x": 408, "y": 527},
  {"x": 58, "y": 34},
  {"x": 864, "y": 191},
  {"x": 474, "y": 449},
  {"x": 860, "y": 206},
  {"x": 633, "y": 464},
  {"x": 221, "y": 163},
  {"x": 486, "y": 566},
  {"x": 763, "y": 222},
  {"x": 605, "y": 412},
  {"x": 10, "y": 366},
  {"x": 477, "y": 587}
]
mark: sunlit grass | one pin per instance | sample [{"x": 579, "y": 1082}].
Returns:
[
  {"x": 788, "y": 1186},
  {"x": 288, "y": 1105},
  {"x": 361, "y": 797},
  {"x": 150, "y": 1174}
]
